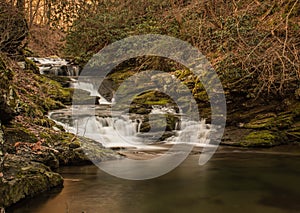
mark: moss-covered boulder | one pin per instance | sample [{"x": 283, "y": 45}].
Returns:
[
  {"x": 23, "y": 178},
  {"x": 262, "y": 121},
  {"x": 263, "y": 138}
]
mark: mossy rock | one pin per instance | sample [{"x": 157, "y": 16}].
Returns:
[
  {"x": 264, "y": 138},
  {"x": 284, "y": 120},
  {"x": 25, "y": 179},
  {"x": 263, "y": 121},
  {"x": 159, "y": 122},
  {"x": 139, "y": 109},
  {"x": 45, "y": 122},
  {"x": 30, "y": 65},
  {"x": 152, "y": 98},
  {"x": 293, "y": 133},
  {"x": 18, "y": 133}
]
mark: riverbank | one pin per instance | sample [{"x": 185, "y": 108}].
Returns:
[{"x": 33, "y": 147}]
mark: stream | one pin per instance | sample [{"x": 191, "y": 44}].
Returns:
[
  {"x": 234, "y": 180},
  {"x": 231, "y": 181}
]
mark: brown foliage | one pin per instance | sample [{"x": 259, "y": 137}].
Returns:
[{"x": 13, "y": 28}]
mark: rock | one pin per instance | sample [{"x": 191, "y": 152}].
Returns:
[
  {"x": 263, "y": 138},
  {"x": 25, "y": 178},
  {"x": 262, "y": 121},
  {"x": 293, "y": 133}
]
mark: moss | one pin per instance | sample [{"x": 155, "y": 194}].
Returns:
[
  {"x": 19, "y": 133},
  {"x": 284, "y": 120},
  {"x": 29, "y": 179},
  {"x": 50, "y": 104},
  {"x": 293, "y": 133},
  {"x": 152, "y": 98},
  {"x": 75, "y": 144},
  {"x": 45, "y": 122},
  {"x": 202, "y": 96},
  {"x": 264, "y": 138},
  {"x": 30, "y": 65},
  {"x": 263, "y": 121}
]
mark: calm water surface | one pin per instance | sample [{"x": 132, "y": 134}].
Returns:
[{"x": 232, "y": 182}]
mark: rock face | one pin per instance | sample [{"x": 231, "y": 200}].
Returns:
[
  {"x": 264, "y": 125},
  {"x": 24, "y": 178}
]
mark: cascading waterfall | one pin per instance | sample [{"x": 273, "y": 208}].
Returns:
[
  {"x": 123, "y": 131},
  {"x": 55, "y": 66},
  {"x": 186, "y": 134},
  {"x": 92, "y": 89}
]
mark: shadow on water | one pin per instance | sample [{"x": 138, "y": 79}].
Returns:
[{"x": 232, "y": 182}]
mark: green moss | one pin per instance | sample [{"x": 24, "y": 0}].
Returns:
[
  {"x": 43, "y": 122},
  {"x": 16, "y": 133},
  {"x": 50, "y": 104},
  {"x": 264, "y": 138},
  {"x": 284, "y": 120},
  {"x": 264, "y": 121},
  {"x": 152, "y": 98},
  {"x": 30, "y": 65}
]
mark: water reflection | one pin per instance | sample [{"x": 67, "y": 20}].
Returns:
[{"x": 228, "y": 183}]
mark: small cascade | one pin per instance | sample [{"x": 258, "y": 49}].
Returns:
[
  {"x": 157, "y": 109},
  {"x": 122, "y": 131},
  {"x": 186, "y": 134},
  {"x": 139, "y": 124},
  {"x": 55, "y": 66},
  {"x": 111, "y": 132},
  {"x": 92, "y": 89}
]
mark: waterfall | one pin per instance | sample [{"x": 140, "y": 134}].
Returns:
[
  {"x": 157, "y": 109},
  {"x": 55, "y": 66},
  {"x": 92, "y": 89},
  {"x": 123, "y": 131},
  {"x": 186, "y": 134}
]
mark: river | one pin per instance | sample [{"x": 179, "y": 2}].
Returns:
[{"x": 232, "y": 181}]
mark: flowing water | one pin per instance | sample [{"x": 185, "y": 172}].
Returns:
[
  {"x": 230, "y": 182},
  {"x": 122, "y": 130},
  {"x": 92, "y": 89}
]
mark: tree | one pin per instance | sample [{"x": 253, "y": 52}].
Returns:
[{"x": 13, "y": 27}]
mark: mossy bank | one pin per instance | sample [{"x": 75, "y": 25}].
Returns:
[{"x": 32, "y": 146}]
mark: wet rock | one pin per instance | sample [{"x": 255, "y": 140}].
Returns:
[
  {"x": 86, "y": 151},
  {"x": 263, "y": 138},
  {"x": 25, "y": 178}
]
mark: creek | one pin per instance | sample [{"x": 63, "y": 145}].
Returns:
[{"x": 231, "y": 181}]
